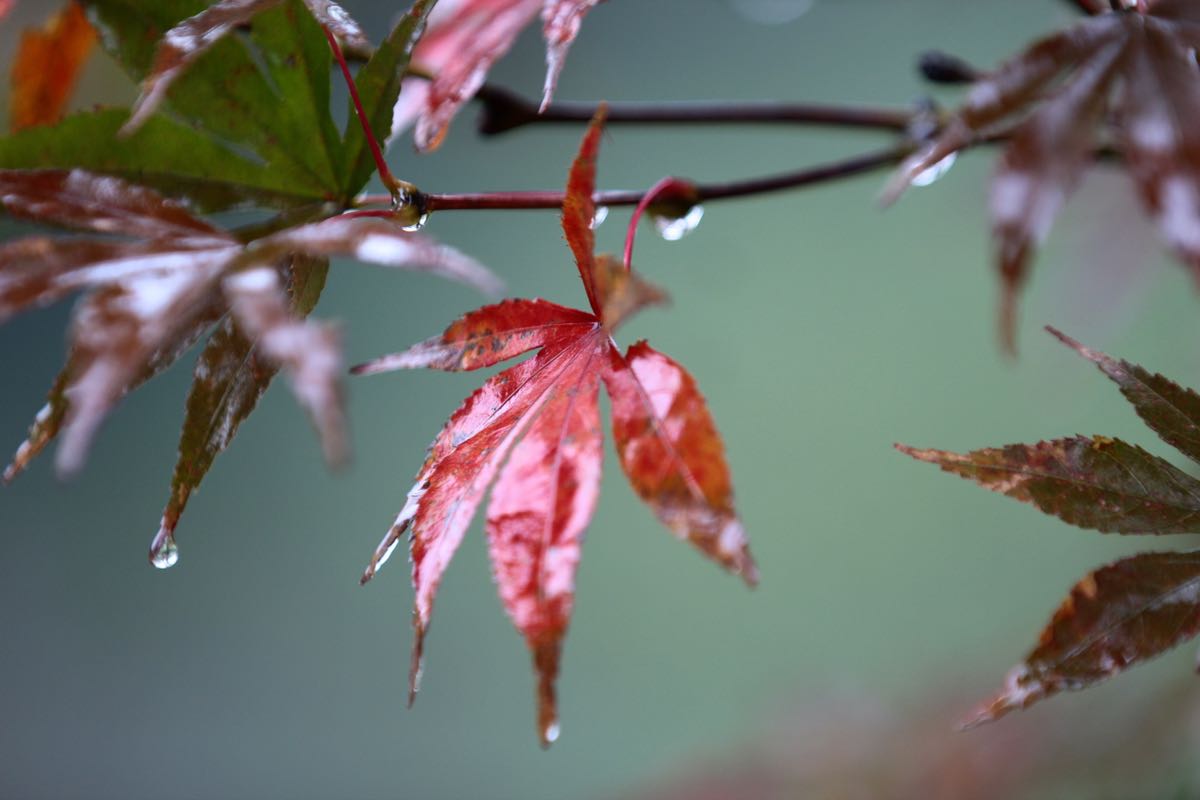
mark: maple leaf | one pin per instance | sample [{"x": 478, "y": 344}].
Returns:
[
  {"x": 534, "y": 431},
  {"x": 1135, "y": 69},
  {"x": 464, "y": 39},
  {"x": 149, "y": 299},
  {"x": 190, "y": 39},
  {"x": 47, "y": 66},
  {"x": 1136, "y": 608}
]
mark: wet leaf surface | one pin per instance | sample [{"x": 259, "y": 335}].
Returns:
[{"x": 533, "y": 431}]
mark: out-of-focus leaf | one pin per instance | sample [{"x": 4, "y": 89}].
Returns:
[
  {"x": 381, "y": 242},
  {"x": 171, "y": 157},
  {"x": 378, "y": 84},
  {"x": 229, "y": 379},
  {"x": 153, "y": 297},
  {"x": 310, "y": 351},
  {"x": 232, "y": 91},
  {"x": 561, "y": 20},
  {"x": 118, "y": 329},
  {"x": 332, "y": 16},
  {"x": 1092, "y": 482},
  {"x": 1118, "y": 616},
  {"x": 1172, "y": 411},
  {"x": 82, "y": 200},
  {"x": 543, "y": 411},
  {"x": 47, "y": 66},
  {"x": 1134, "y": 68},
  {"x": 1040, "y": 168},
  {"x": 184, "y": 44},
  {"x": 465, "y": 38}
]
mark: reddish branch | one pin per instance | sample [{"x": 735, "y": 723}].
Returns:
[{"x": 704, "y": 192}]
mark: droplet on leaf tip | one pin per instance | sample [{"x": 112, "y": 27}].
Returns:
[
  {"x": 672, "y": 229},
  {"x": 166, "y": 554},
  {"x": 599, "y": 217},
  {"x": 550, "y": 733},
  {"x": 933, "y": 174}
]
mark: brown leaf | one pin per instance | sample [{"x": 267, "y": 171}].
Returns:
[
  {"x": 47, "y": 66},
  {"x": 1172, "y": 411},
  {"x": 1118, "y": 616},
  {"x": 1097, "y": 482},
  {"x": 103, "y": 204}
]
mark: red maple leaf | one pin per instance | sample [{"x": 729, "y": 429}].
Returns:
[
  {"x": 464, "y": 39},
  {"x": 542, "y": 415}
]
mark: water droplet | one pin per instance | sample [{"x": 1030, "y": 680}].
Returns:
[
  {"x": 167, "y": 554},
  {"x": 936, "y": 172},
  {"x": 416, "y": 224},
  {"x": 551, "y": 733},
  {"x": 383, "y": 559},
  {"x": 600, "y": 216},
  {"x": 672, "y": 229}
]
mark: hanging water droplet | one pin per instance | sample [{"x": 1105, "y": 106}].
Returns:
[
  {"x": 672, "y": 229},
  {"x": 550, "y": 735},
  {"x": 936, "y": 172},
  {"x": 599, "y": 217},
  {"x": 417, "y": 223},
  {"x": 167, "y": 554}
]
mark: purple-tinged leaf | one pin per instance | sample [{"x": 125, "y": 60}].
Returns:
[
  {"x": 1003, "y": 93},
  {"x": 1159, "y": 125},
  {"x": 1118, "y": 616},
  {"x": 99, "y": 203},
  {"x": 1098, "y": 483},
  {"x": 49, "y": 419},
  {"x": 119, "y": 328},
  {"x": 332, "y": 16},
  {"x": 380, "y": 242},
  {"x": 310, "y": 351},
  {"x": 1041, "y": 167}
]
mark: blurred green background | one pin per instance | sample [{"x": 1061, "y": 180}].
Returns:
[{"x": 821, "y": 329}]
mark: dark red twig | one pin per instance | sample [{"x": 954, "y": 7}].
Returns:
[
  {"x": 704, "y": 192},
  {"x": 504, "y": 111},
  {"x": 385, "y": 174}
]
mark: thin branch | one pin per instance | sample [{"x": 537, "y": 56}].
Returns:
[
  {"x": 704, "y": 192},
  {"x": 504, "y": 111},
  {"x": 1088, "y": 6}
]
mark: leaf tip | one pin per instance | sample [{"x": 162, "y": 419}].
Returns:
[
  {"x": 417, "y": 660},
  {"x": 546, "y": 656}
]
